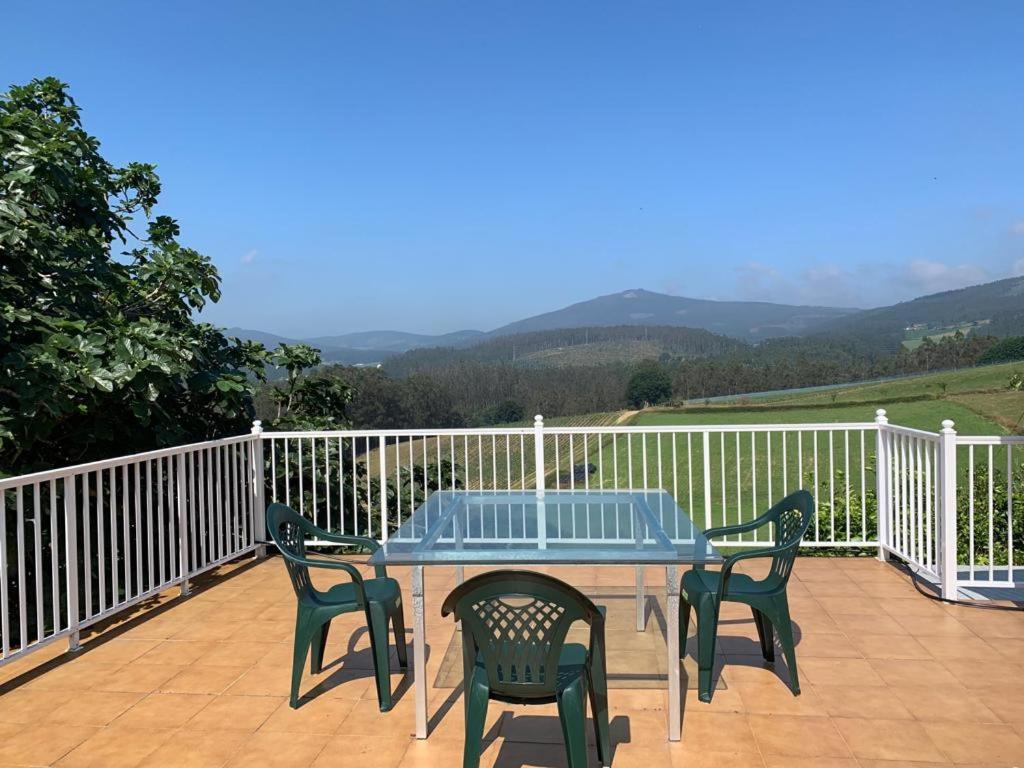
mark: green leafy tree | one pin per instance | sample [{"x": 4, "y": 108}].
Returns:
[
  {"x": 100, "y": 353},
  {"x": 649, "y": 385}
]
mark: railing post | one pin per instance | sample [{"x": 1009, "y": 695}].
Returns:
[
  {"x": 182, "y": 525},
  {"x": 538, "y": 453},
  {"x": 256, "y": 470},
  {"x": 883, "y": 471},
  {"x": 71, "y": 559},
  {"x": 707, "y": 479},
  {"x": 947, "y": 507},
  {"x": 384, "y": 488}
]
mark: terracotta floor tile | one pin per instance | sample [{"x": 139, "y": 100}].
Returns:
[
  {"x": 317, "y": 715},
  {"x": 24, "y": 705},
  {"x": 944, "y": 702},
  {"x": 202, "y": 679},
  {"x": 242, "y": 713},
  {"x": 279, "y": 750},
  {"x": 93, "y": 708},
  {"x": 824, "y": 646},
  {"x": 118, "y": 650},
  {"x": 950, "y": 647},
  {"x": 911, "y": 671},
  {"x": 116, "y": 748},
  {"x": 172, "y": 652},
  {"x": 74, "y": 675},
  {"x": 163, "y": 710},
  {"x": 888, "y": 739},
  {"x": 788, "y": 761},
  {"x": 779, "y": 700},
  {"x": 797, "y": 736},
  {"x": 821, "y": 672},
  {"x": 709, "y": 732},
  {"x": 349, "y": 750},
  {"x": 139, "y": 678},
  {"x": 195, "y": 749},
  {"x": 889, "y": 647},
  {"x": 870, "y": 701},
  {"x": 933, "y": 625},
  {"x": 878, "y": 623},
  {"x": 988, "y": 744},
  {"x": 42, "y": 743},
  {"x": 685, "y": 757},
  {"x": 985, "y": 673},
  {"x": 1007, "y": 701}
]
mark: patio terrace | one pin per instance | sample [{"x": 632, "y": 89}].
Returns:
[{"x": 889, "y": 678}]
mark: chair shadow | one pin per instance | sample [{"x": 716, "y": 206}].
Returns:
[
  {"x": 514, "y": 753},
  {"x": 356, "y": 664}
]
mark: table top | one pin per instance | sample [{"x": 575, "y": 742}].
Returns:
[{"x": 634, "y": 527}]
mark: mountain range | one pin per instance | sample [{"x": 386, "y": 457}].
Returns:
[{"x": 998, "y": 307}]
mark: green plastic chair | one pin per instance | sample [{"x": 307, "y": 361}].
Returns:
[
  {"x": 706, "y": 590},
  {"x": 514, "y": 625},
  {"x": 380, "y": 598}
]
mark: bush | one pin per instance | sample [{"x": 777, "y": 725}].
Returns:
[{"x": 1005, "y": 351}]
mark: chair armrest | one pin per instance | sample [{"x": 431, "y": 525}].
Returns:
[
  {"x": 373, "y": 545},
  {"x": 333, "y": 565},
  {"x": 724, "y": 530},
  {"x": 731, "y": 560}
]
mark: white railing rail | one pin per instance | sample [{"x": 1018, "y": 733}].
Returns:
[{"x": 82, "y": 543}]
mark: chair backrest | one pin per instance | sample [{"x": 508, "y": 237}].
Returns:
[
  {"x": 515, "y": 622},
  {"x": 792, "y": 516},
  {"x": 288, "y": 529}
]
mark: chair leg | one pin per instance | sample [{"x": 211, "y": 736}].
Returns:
[
  {"x": 572, "y": 713},
  {"x": 707, "y": 631},
  {"x": 378, "y": 626},
  {"x": 476, "y": 694},
  {"x": 765, "y": 634},
  {"x": 303, "y": 637},
  {"x": 598, "y": 689},
  {"x": 317, "y": 648},
  {"x": 398, "y": 625},
  {"x": 784, "y": 626},
  {"x": 684, "y": 624}
]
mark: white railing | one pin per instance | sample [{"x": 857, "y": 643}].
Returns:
[
  {"x": 989, "y": 541},
  {"x": 82, "y": 543}
]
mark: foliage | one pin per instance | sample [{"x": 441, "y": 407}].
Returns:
[
  {"x": 99, "y": 352},
  {"x": 649, "y": 385},
  {"x": 1004, "y": 351},
  {"x": 505, "y": 412}
]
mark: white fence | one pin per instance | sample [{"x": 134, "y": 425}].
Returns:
[{"x": 82, "y": 543}]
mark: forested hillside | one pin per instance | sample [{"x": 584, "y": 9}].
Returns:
[{"x": 573, "y": 346}]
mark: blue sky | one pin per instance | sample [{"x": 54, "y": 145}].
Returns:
[{"x": 429, "y": 166}]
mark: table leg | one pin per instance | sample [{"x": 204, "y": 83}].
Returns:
[
  {"x": 672, "y": 641},
  {"x": 641, "y": 600},
  {"x": 419, "y": 652}
]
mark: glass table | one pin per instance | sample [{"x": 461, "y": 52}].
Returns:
[{"x": 523, "y": 528}]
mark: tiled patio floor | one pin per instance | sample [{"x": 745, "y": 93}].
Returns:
[{"x": 889, "y": 678}]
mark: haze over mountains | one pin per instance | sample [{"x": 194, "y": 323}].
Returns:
[{"x": 996, "y": 306}]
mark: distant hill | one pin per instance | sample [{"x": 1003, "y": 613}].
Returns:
[
  {"x": 996, "y": 308},
  {"x": 330, "y": 353},
  {"x": 747, "y": 320},
  {"x": 395, "y": 341},
  {"x": 573, "y": 347}
]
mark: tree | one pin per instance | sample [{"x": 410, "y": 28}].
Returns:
[
  {"x": 100, "y": 353},
  {"x": 303, "y": 401},
  {"x": 649, "y": 385}
]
